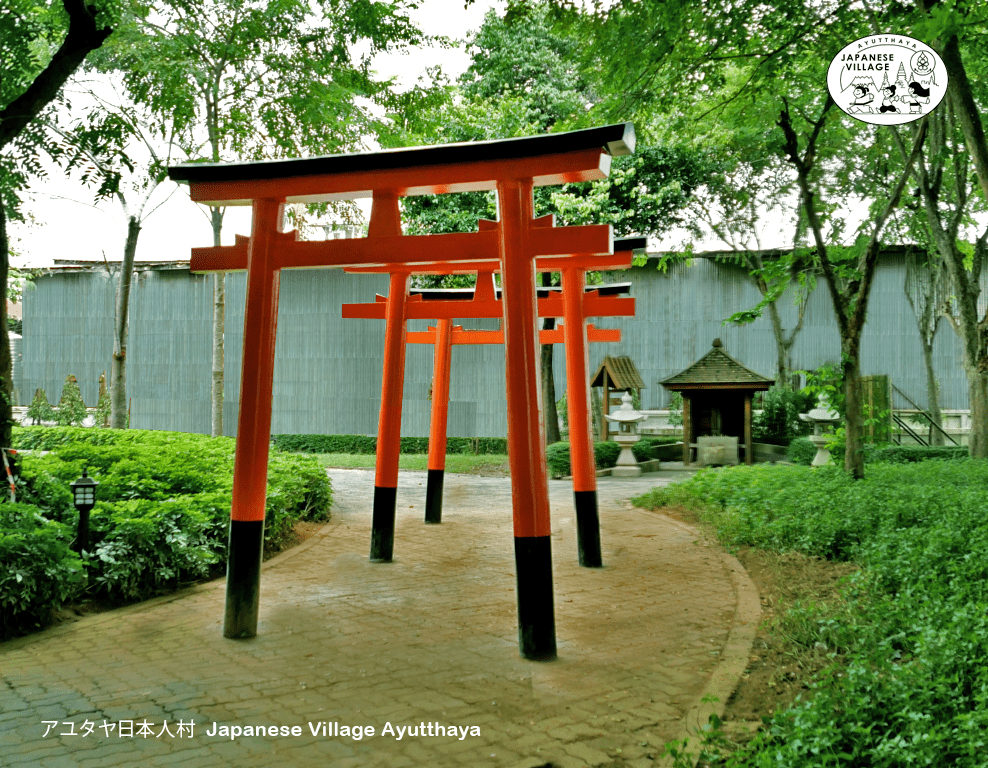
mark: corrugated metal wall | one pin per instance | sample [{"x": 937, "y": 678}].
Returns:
[
  {"x": 681, "y": 312},
  {"x": 328, "y": 370}
]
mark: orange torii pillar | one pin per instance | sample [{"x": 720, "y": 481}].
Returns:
[
  {"x": 443, "y": 337},
  {"x": 512, "y": 167},
  {"x": 441, "y": 361}
]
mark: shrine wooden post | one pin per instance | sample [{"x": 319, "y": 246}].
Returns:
[{"x": 511, "y": 167}]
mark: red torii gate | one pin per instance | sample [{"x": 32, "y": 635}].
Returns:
[
  {"x": 481, "y": 302},
  {"x": 511, "y": 167},
  {"x": 443, "y": 337}
]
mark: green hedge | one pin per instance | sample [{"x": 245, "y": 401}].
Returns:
[
  {"x": 50, "y": 438},
  {"x": 903, "y": 454},
  {"x": 367, "y": 444},
  {"x": 802, "y": 451},
  {"x": 161, "y": 517},
  {"x": 605, "y": 454}
]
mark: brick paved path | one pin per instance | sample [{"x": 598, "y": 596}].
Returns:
[{"x": 429, "y": 638}]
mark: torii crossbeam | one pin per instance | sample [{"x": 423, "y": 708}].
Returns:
[{"x": 512, "y": 168}]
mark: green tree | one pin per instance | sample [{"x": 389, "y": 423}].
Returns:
[
  {"x": 673, "y": 54},
  {"x": 258, "y": 79},
  {"x": 41, "y": 45},
  {"x": 524, "y": 79},
  {"x": 947, "y": 190},
  {"x": 126, "y": 153}
]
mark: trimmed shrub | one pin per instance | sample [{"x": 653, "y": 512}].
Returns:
[
  {"x": 38, "y": 570},
  {"x": 606, "y": 454},
  {"x": 649, "y": 448},
  {"x": 141, "y": 547},
  {"x": 163, "y": 504},
  {"x": 558, "y": 458},
  {"x": 801, "y": 451}
]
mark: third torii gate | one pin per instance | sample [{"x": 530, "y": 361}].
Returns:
[{"x": 513, "y": 168}]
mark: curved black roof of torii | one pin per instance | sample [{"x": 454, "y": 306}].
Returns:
[
  {"x": 618, "y": 139},
  {"x": 717, "y": 370}
]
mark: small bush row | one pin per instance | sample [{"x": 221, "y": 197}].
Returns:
[
  {"x": 38, "y": 570},
  {"x": 802, "y": 451},
  {"x": 367, "y": 444},
  {"x": 605, "y": 454},
  {"x": 903, "y": 454}
]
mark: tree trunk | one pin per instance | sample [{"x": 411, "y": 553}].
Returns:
[
  {"x": 973, "y": 343},
  {"x": 550, "y": 415},
  {"x": 219, "y": 323},
  {"x": 781, "y": 348},
  {"x": 932, "y": 394},
  {"x": 853, "y": 408},
  {"x": 82, "y": 38},
  {"x": 118, "y": 365},
  {"x": 977, "y": 384},
  {"x": 6, "y": 363}
]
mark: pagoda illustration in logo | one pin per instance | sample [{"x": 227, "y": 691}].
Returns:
[{"x": 861, "y": 82}]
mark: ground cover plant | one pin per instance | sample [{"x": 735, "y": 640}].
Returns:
[
  {"x": 906, "y": 683},
  {"x": 161, "y": 517}
]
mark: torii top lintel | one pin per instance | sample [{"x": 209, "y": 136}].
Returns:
[{"x": 555, "y": 158}]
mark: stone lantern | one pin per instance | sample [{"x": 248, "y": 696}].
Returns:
[
  {"x": 627, "y": 419},
  {"x": 823, "y": 420}
]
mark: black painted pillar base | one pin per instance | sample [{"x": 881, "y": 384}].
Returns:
[
  {"x": 588, "y": 529},
  {"x": 243, "y": 578},
  {"x": 434, "y": 496},
  {"x": 536, "y": 617},
  {"x": 383, "y": 525}
]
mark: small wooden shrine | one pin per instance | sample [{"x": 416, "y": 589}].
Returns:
[{"x": 717, "y": 392}]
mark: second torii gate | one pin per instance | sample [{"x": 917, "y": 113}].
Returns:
[
  {"x": 483, "y": 303},
  {"x": 512, "y": 167}
]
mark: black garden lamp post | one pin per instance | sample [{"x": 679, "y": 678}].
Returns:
[{"x": 84, "y": 498}]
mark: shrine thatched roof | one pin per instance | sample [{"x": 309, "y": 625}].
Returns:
[
  {"x": 621, "y": 374},
  {"x": 717, "y": 370}
]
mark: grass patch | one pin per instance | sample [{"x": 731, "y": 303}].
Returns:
[
  {"x": 465, "y": 463},
  {"x": 905, "y": 637}
]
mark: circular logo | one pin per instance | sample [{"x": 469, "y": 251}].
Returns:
[{"x": 887, "y": 79}]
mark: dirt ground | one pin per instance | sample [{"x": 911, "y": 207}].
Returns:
[{"x": 780, "y": 667}]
